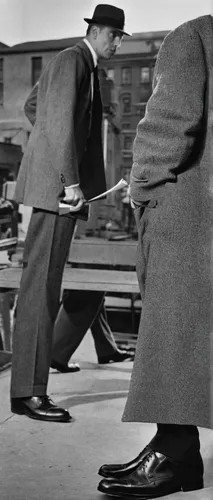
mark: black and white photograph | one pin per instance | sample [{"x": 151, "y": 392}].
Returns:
[{"x": 106, "y": 250}]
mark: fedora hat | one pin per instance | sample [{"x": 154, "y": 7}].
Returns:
[{"x": 108, "y": 15}]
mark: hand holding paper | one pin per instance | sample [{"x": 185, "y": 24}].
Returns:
[
  {"x": 73, "y": 197},
  {"x": 65, "y": 208}
]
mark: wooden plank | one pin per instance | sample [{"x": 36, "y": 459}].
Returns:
[
  {"x": 95, "y": 279},
  {"x": 81, "y": 279},
  {"x": 103, "y": 252},
  {"x": 8, "y": 242},
  {"x": 97, "y": 251}
]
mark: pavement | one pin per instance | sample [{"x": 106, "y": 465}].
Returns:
[{"x": 43, "y": 461}]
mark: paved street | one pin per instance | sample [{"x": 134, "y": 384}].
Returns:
[{"x": 43, "y": 461}]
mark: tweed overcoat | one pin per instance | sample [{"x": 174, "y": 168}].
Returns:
[
  {"x": 61, "y": 149},
  {"x": 170, "y": 176}
]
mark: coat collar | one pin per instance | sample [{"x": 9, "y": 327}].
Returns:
[{"x": 86, "y": 54}]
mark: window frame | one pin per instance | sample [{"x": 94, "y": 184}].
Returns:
[
  {"x": 1, "y": 82},
  {"x": 142, "y": 80},
  {"x": 129, "y": 96},
  {"x": 35, "y": 77},
  {"x": 127, "y": 79},
  {"x": 108, "y": 75},
  {"x": 127, "y": 137}
]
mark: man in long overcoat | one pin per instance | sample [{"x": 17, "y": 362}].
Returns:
[
  {"x": 170, "y": 192},
  {"x": 64, "y": 157}
]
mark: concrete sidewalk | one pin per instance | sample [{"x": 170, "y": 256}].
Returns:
[{"x": 50, "y": 461}]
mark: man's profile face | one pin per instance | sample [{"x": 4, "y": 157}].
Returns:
[{"x": 107, "y": 41}]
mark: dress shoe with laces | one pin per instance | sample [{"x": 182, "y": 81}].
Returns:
[
  {"x": 70, "y": 368},
  {"x": 40, "y": 408},
  {"x": 116, "y": 357},
  {"x": 155, "y": 477},
  {"x": 121, "y": 470}
]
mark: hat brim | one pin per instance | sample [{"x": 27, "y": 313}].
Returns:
[{"x": 94, "y": 21}]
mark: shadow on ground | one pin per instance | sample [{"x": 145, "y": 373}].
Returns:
[{"x": 101, "y": 390}]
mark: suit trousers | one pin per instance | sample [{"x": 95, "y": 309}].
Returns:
[
  {"x": 71, "y": 327},
  {"x": 102, "y": 335},
  {"x": 46, "y": 248}
]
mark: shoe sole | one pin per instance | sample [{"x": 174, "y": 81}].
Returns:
[
  {"x": 70, "y": 370},
  {"x": 66, "y": 371},
  {"x": 113, "y": 361},
  {"x": 129, "y": 496},
  {"x": 43, "y": 418},
  {"x": 141, "y": 496}
]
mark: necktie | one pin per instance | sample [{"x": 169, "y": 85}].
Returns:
[
  {"x": 97, "y": 103},
  {"x": 96, "y": 80}
]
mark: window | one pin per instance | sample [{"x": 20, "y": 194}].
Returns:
[
  {"x": 36, "y": 69},
  {"x": 157, "y": 44},
  {"x": 145, "y": 75},
  {"x": 140, "y": 111},
  {"x": 126, "y": 103},
  {"x": 128, "y": 142},
  {"x": 126, "y": 76},
  {"x": 125, "y": 125},
  {"x": 152, "y": 69},
  {"x": 1, "y": 81},
  {"x": 111, "y": 73}
]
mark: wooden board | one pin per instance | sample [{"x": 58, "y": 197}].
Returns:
[
  {"x": 81, "y": 279},
  {"x": 98, "y": 251}
]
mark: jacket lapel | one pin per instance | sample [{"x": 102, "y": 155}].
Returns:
[{"x": 86, "y": 54}]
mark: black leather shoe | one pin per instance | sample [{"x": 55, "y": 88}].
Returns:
[
  {"x": 40, "y": 408},
  {"x": 70, "y": 368},
  {"x": 116, "y": 357},
  {"x": 155, "y": 477},
  {"x": 121, "y": 470}
]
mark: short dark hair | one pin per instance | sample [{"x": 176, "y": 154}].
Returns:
[{"x": 91, "y": 25}]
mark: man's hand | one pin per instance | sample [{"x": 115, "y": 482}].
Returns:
[
  {"x": 134, "y": 204},
  {"x": 74, "y": 196}
]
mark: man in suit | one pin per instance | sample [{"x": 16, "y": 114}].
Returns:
[
  {"x": 170, "y": 192},
  {"x": 64, "y": 157},
  {"x": 79, "y": 311}
]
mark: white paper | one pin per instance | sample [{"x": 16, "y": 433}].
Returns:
[
  {"x": 120, "y": 185},
  {"x": 66, "y": 208}
]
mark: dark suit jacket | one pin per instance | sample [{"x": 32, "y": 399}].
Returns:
[{"x": 57, "y": 153}]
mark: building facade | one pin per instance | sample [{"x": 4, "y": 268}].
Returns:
[{"x": 126, "y": 84}]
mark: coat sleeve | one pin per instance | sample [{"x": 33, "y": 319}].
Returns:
[
  {"x": 58, "y": 92},
  {"x": 174, "y": 114},
  {"x": 30, "y": 105}
]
